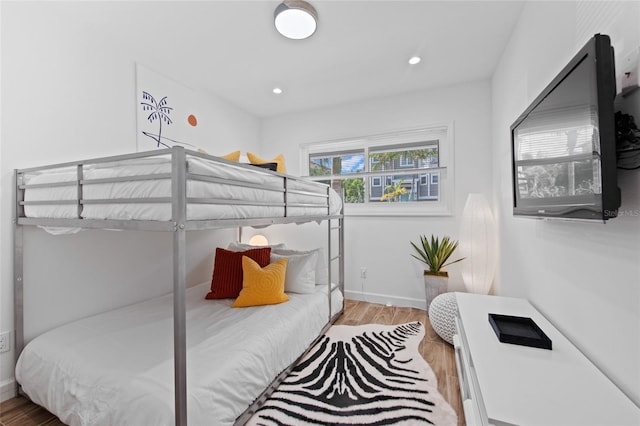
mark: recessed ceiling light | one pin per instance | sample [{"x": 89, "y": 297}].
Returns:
[
  {"x": 415, "y": 60},
  {"x": 277, "y": 90}
]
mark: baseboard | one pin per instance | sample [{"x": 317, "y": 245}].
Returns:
[
  {"x": 385, "y": 299},
  {"x": 7, "y": 389}
]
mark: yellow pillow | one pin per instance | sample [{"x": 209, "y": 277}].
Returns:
[
  {"x": 232, "y": 156},
  {"x": 279, "y": 160},
  {"x": 262, "y": 286}
]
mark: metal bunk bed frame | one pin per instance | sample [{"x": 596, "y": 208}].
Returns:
[{"x": 179, "y": 225}]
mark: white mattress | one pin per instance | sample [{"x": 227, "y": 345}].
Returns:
[
  {"x": 268, "y": 190},
  {"x": 117, "y": 367}
]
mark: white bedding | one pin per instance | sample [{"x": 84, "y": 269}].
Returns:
[
  {"x": 117, "y": 367},
  {"x": 268, "y": 191}
]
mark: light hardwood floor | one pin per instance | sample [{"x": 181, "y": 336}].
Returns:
[{"x": 438, "y": 353}]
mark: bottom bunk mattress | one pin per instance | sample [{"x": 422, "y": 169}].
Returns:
[{"x": 117, "y": 367}]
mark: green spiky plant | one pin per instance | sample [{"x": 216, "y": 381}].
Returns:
[{"x": 434, "y": 253}]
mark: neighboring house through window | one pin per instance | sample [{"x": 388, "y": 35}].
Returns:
[{"x": 405, "y": 172}]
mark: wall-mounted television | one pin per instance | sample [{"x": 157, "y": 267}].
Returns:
[{"x": 564, "y": 144}]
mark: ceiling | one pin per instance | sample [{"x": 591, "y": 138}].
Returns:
[{"x": 360, "y": 50}]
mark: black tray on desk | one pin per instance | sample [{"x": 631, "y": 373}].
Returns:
[{"x": 519, "y": 331}]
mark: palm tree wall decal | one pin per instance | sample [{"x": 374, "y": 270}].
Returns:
[{"x": 159, "y": 111}]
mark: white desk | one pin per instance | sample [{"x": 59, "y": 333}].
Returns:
[{"x": 505, "y": 384}]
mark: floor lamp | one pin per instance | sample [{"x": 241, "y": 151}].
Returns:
[{"x": 478, "y": 245}]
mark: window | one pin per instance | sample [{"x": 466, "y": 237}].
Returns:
[
  {"x": 407, "y": 161},
  {"x": 395, "y": 173}
]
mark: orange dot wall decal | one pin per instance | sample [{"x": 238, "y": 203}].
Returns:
[{"x": 192, "y": 120}]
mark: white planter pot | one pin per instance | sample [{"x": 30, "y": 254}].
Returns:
[{"x": 434, "y": 285}]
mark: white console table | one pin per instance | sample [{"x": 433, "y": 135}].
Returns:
[{"x": 506, "y": 384}]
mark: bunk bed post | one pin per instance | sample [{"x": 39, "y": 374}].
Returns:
[
  {"x": 179, "y": 216},
  {"x": 285, "y": 182},
  {"x": 341, "y": 248},
  {"x": 329, "y": 266},
  {"x": 18, "y": 275},
  {"x": 79, "y": 172},
  {"x": 18, "y": 289}
]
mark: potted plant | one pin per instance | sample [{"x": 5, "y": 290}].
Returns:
[{"x": 435, "y": 253}]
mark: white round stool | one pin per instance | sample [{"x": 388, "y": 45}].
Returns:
[{"x": 442, "y": 312}]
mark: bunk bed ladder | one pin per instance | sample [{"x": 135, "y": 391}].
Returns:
[
  {"x": 18, "y": 281},
  {"x": 339, "y": 257}
]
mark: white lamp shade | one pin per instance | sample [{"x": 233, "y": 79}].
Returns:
[
  {"x": 478, "y": 244},
  {"x": 258, "y": 240},
  {"x": 295, "y": 19}
]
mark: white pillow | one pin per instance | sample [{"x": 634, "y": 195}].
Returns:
[
  {"x": 322, "y": 270},
  {"x": 300, "y": 276},
  {"x": 235, "y": 246}
]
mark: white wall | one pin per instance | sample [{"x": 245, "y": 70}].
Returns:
[
  {"x": 584, "y": 277},
  {"x": 68, "y": 93},
  {"x": 381, "y": 244}
]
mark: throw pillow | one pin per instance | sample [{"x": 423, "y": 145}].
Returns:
[
  {"x": 232, "y": 156},
  {"x": 262, "y": 286},
  {"x": 322, "y": 269},
  {"x": 227, "y": 271},
  {"x": 269, "y": 166},
  {"x": 301, "y": 272},
  {"x": 235, "y": 246},
  {"x": 279, "y": 160}
]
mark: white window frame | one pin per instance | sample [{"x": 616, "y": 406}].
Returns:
[
  {"x": 437, "y": 180},
  {"x": 376, "y": 185},
  {"x": 424, "y": 179},
  {"x": 404, "y": 162},
  {"x": 444, "y": 133}
]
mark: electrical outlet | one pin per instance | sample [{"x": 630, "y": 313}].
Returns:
[
  {"x": 5, "y": 341},
  {"x": 363, "y": 272}
]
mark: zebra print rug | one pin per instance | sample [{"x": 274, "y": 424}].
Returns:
[{"x": 360, "y": 375}]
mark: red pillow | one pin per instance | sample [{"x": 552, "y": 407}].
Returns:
[{"x": 227, "y": 271}]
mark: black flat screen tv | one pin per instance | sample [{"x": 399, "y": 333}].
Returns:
[{"x": 564, "y": 144}]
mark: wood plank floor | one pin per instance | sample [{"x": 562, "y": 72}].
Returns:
[{"x": 438, "y": 353}]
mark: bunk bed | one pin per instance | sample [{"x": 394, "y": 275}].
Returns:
[{"x": 177, "y": 190}]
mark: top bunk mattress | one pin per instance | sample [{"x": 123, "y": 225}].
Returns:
[
  {"x": 141, "y": 189},
  {"x": 117, "y": 367}
]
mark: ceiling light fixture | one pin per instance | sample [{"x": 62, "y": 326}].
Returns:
[
  {"x": 277, "y": 90},
  {"x": 296, "y": 19},
  {"x": 414, "y": 60}
]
